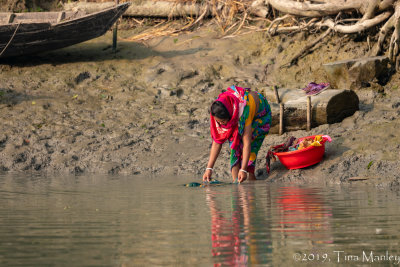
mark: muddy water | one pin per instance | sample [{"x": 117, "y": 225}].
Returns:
[{"x": 144, "y": 221}]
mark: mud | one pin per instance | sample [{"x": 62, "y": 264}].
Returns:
[
  {"x": 144, "y": 109},
  {"x": 30, "y": 5}
]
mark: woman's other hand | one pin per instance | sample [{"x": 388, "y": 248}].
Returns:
[
  {"x": 242, "y": 176},
  {"x": 207, "y": 175}
]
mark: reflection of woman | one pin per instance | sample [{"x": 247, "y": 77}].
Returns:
[
  {"x": 243, "y": 117},
  {"x": 234, "y": 228},
  {"x": 227, "y": 236}
]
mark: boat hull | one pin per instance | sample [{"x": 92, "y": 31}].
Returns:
[{"x": 18, "y": 39}]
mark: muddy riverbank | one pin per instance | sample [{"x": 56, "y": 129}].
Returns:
[{"x": 144, "y": 110}]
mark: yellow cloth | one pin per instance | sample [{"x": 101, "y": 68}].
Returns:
[
  {"x": 317, "y": 140},
  {"x": 252, "y": 111},
  {"x": 316, "y": 143}
]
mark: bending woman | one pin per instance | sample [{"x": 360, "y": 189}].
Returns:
[{"x": 242, "y": 117}]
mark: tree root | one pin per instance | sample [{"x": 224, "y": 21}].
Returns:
[
  {"x": 372, "y": 5},
  {"x": 357, "y": 27},
  {"x": 395, "y": 39},
  {"x": 292, "y": 29},
  {"x": 276, "y": 21},
  {"x": 285, "y": 16},
  {"x": 382, "y": 36},
  {"x": 385, "y": 4},
  {"x": 259, "y": 9}
]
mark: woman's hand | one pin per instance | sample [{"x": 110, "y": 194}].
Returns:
[
  {"x": 214, "y": 152},
  {"x": 207, "y": 175},
  {"x": 242, "y": 176}
]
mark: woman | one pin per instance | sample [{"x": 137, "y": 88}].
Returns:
[{"x": 243, "y": 117}]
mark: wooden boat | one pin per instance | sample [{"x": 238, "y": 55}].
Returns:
[{"x": 35, "y": 32}]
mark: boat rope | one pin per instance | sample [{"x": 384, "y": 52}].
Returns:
[{"x": 9, "y": 42}]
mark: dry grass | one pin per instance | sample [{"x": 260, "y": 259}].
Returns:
[
  {"x": 231, "y": 17},
  {"x": 165, "y": 28}
]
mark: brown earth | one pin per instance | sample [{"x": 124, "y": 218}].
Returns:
[
  {"x": 29, "y": 5},
  {"x": 144, "y": 110}
]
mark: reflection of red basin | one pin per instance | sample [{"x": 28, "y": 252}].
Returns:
[{"x": 304, "y": 157}]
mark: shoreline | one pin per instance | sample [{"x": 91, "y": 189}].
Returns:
[{"x": 144, "y": 110}]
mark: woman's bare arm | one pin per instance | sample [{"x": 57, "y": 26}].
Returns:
[
  {"x": 246, "y": 152},
  {"x": 214, "y": 152}
]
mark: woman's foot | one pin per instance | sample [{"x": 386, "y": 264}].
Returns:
[{"x": 252, "y": 177}]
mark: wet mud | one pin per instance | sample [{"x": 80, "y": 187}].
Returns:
[{"x": 144, "y": 109}]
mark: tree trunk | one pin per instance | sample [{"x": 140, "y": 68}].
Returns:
[
  {"x": 330, "y": 106},
  {"x": 315, "y": 10},
  {"x": 144, "y": 8}
]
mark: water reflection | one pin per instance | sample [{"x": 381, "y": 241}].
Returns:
[
  {"x": 240, "y": 233},
  {"x": 260, "y": 220},
  {"x": 142, "y": 221},
  {"x": 303, "y": 213}
]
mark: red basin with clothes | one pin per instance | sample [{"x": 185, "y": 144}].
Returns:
[{"x": 303, "y": 157}]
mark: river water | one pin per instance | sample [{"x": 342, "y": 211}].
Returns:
[{"x": 148, "y": 221}]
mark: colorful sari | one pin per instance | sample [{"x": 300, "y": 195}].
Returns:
[{"x": 239, "y": 111}]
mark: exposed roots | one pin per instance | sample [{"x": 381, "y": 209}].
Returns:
[
  {"x": 276, "y": 22},
  {"x": 376, "y": 50},
  {"x": 329, "y": 13},
  {"x": 361, "y": 25},
  {"x": 235, "y": 18},
  {"x": 395, "y": 39}
]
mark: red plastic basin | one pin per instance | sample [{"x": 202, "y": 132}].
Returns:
[{"x": 304, "y": 157}]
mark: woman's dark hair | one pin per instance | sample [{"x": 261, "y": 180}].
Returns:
[{"x": 220, "y": 111}]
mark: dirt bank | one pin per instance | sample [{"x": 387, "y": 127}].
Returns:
[
  {"x": 30, "y": 5},
  {"x": 144, "y": 110}
]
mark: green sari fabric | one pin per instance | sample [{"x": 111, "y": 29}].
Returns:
[{"x": 260, "y": 128}]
